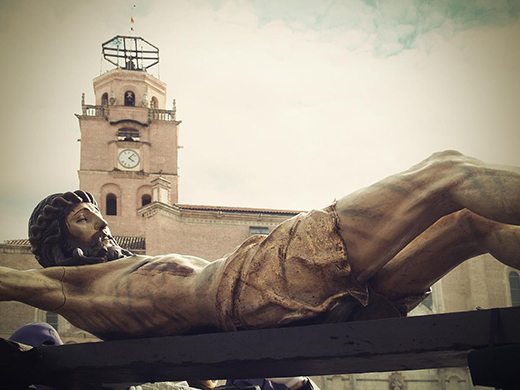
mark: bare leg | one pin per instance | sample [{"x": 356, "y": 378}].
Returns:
[
  {"x": 377, "y": 222},
  {"x": 447, "y": 243}
]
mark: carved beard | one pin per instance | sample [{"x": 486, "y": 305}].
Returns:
[{"x": 97, "y": 252}]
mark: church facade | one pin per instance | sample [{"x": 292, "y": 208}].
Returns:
[{"x": 129, "y": 162}]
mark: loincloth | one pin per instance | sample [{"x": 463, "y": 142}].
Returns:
[{"x": 299, "y": 272}]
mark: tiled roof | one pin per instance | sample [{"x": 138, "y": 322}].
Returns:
[
  {"x": 131, "y": 243},
  {"x": 126, "y": 242},
  {"x": 23, "y": 242},
  {"x": 235, "y": 209}
]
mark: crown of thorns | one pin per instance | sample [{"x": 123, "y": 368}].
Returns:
[{"x": 53, "y": 208}]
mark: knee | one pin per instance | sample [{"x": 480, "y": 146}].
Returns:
[
  {"x": 474, "y": 225},
  {"x": 446, "y": 155},
  {"x": 440, "y": 172},
  {"x": 464, "y": 219},
  {"x": 449, "y": 161},
  {"x": 441, "y": 159}
]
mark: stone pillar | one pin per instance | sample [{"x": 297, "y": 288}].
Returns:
[{"x": 161, "y": 190}]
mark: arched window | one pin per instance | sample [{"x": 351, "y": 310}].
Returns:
[
  {"x": 104, "y": 99},
  {"x": 111, "y": 204},
  {"x": 514, "y": 285},
  {"x": 154, "y": 103},
  {"x": 52, "y": 319},
  {"x": 128, "y": 134},
  {"x": 146, "y": 199},
  {"x": 129, "y": 98}
]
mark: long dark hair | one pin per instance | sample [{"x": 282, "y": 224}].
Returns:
[{"x": 48, "y": 244}]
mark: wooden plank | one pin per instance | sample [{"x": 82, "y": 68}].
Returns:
[{"x": 434, "y": 341}]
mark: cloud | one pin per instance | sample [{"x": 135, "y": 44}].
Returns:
[{"x": 395, "y": 25}]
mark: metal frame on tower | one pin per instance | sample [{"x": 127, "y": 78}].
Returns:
[{"x": 135, "y": 53}]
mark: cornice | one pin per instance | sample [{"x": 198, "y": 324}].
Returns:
[
  {"x": 90, "y": 117},
  {"x": 129, "y": 174},
  {"x": 129, "y": 145},
  {"x": 123, "y": 75},
  {"x": 128, "y": 120},
  {"x": 118, "y": 173},
  {"x": 9, "y": 248},
  {"x": 211, "y": 217}
]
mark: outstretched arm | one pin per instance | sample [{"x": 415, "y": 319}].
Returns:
[{"x": 39, "y": 288}]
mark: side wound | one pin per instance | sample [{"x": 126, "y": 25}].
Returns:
[{"x": 165, "y": 267}]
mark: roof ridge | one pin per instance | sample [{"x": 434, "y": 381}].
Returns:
[{"x": 234, "y": 208}]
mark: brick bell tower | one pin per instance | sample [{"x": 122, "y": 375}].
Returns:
[{"x": 129, "y": 139}]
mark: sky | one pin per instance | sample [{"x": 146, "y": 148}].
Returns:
[{"x": 284, "y": 104}]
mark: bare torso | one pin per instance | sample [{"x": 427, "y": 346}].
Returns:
[{"x": 117, "y": 298}]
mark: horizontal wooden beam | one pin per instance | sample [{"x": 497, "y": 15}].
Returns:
[{"x": 396, "y": 344}]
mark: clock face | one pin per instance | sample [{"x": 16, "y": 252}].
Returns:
[{"x": 129, "y": 158}]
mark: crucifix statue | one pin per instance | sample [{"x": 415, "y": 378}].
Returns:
[{"x": 374, "y": 253}]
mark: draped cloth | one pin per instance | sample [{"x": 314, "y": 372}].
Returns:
[{"x": 299, "y": 272}]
